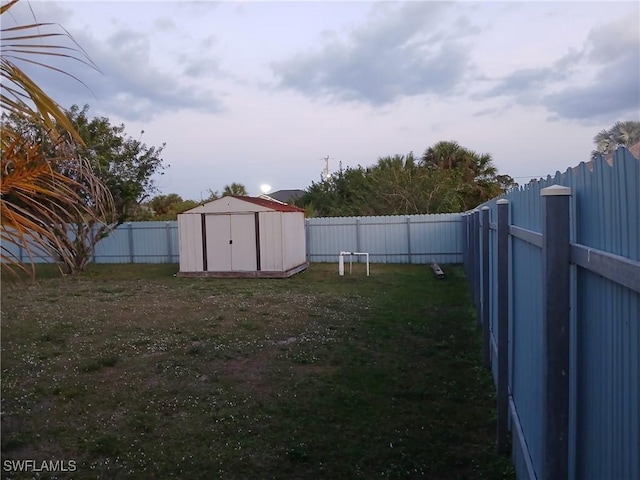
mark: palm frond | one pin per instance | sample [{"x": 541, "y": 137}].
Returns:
[
  {"x": 7, "y": 6},
  {"x": 21, "y": 95},
  {"x": 40, "y": 194},
  {"x": 38, "y": 202}
]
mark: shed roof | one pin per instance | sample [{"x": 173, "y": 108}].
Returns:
[
  {"x": 237, "y": 203},
  {"x": 274, "y": 205}
]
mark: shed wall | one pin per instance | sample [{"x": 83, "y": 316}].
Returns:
[
  {"x": 190, "y": 241},
  {"x": 271, "y": 241},
  {"x": 294, "y": 240}
]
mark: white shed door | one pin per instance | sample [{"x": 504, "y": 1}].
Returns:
[
  {"x": 231, "y": 243},
  {"x": 218, "y": 246}
]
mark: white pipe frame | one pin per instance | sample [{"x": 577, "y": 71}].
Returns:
[{"x": 351, "y": 254}]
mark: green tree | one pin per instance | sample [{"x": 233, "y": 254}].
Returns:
[
  {"x": 167, "y": 207},
  {"x": 122, "y": 165},
  {"x": 213, "y": 195},
  {"x": 622, "y": 134},
  {"x": 475, "y": 176},
  {"x": 164, "y": 204},
  {"x": 447, "y": 178},
  {"x": 234, "y": 189},
  {"x": 343, "y": 193},
  {"x": 400, "y": 185},
  {"x": 126, "y": 165}
]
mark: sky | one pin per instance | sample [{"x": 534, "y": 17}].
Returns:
[{"x": 263, "y": 92}]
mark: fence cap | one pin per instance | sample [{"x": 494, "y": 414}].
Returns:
[
  {"x": 555, "y": 190},
  {"x": 502, "y": 201}
]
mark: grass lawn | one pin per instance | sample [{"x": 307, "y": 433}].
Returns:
[{"x": 133, "y": 373}]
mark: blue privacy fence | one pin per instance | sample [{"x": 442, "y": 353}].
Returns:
[
  {"x": 554, "y": 269},
  {"x": 416, "y": 239},
  {"x": 132, "y": 242},
  {"x": 388, "y": 239}
]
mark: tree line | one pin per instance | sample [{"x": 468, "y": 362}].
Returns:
[{"x": 446, "y": 178}]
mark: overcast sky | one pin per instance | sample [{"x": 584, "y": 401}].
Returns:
[{"x": 260, "y": 92}]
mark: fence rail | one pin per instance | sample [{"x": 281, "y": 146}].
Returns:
[{"x": 556, "y": 283}]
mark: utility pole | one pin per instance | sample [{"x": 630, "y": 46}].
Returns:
[{"x": 325, "y": 172}]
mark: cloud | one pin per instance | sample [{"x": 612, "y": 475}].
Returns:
[
  {"x": 519, "y": 82},
  {"x": 597, "y": 84},
  {"x": 614, "y": 41},
  {"x": 400, "y": 51},
  {"x": 613, "y": 51},
  {"x": 614, "y": 95},
  {"x": 139, "y": 77},
  {"x": 138, "y": 88},
  {"x": 486, "y": 111}
]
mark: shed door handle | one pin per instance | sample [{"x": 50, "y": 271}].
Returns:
[{"x": 230, "y": 242}]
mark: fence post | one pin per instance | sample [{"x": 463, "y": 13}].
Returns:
[
  {"x": 358, "y": 248},
  {"x": 476, "y": 266},
  {"x": 503, "y": 326},
  {"x": 92, "y": 236},
  {"x": 464, "y": 244},
  {"x": 472, "y": 258},
  {"x": 486, "y": 344},
  {"x": 130, "y": 233},
  {"x": 307, "y": 238},
  {"x": 469, "y": 254},
  {"x": 169, "y": 249},
  {"x": 409, "y": 239},
  {"x": 469, "y": 250},
  {"x": 555, "y": 267}
]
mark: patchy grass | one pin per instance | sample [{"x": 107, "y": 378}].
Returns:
[{"x": 133, "y": 373}]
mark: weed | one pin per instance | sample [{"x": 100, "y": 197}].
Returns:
[
  {"x": 106, "y": 445},
  {"x": 95, "y": 364}
]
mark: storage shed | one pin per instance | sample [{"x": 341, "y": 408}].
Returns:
[{"x": 237, "y": 236}]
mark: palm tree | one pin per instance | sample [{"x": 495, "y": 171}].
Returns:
[
  {"x": 38, "y": 196},
  {"x": 452, "y": 156},
  {"x": 622, "y": 134},
  {"x": 626, "y": 133},
  {"x": 478, "y": 179},
  {"x": 444, "y": 155},
  {"x": 235, "y": 189}
]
